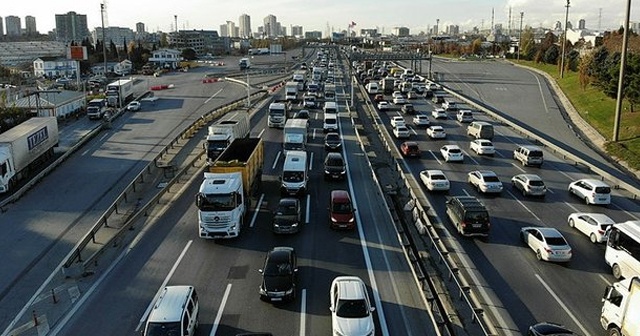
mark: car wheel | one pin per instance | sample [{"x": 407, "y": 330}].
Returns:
[
  {"x": 613, "y": 331},
  {"x": 524, "y": 192},
  {"x": 572, "y": 223},
  {"x": 593, "y": 238},
  {"x": 586, "y": 200},
  {"x": 538, "y": 255},
  {"x": 617, "y": 272}
]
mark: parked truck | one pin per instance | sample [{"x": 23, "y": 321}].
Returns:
[
  {"x": 278, "y": 113},
  {"x": 291, "y": 91},
  {"x": 244, "y": 63},
  {"x": 23, "y": 147},
  {"x": 294, "y": 136},
  {"x": 120, "y": 92},
  {"x": 221, "y": 134},
  {"x": 621, "y": 308},
  {"x": 96, "y": 108},
  {"x": 223, "y": 198}
]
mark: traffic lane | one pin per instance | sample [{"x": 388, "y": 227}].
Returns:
[
  {"x": 100, "y": 170},
  {"x": 403, "y": 309}
]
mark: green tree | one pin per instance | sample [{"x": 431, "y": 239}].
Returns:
[
  {"x": 551, "y": 55},
  {"x": 528, "y": 45},
  {"x": 188, "y": 54}
]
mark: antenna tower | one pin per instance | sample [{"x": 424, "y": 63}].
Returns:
[{"x": 599, "y": 19}]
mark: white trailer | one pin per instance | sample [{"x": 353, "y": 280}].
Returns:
[
  {"x": 232, "y": 126},
  {"x": 119, "y": 93},
  {"x": 291, "y": 91},
  {"x": 294, "y": 136},
  {"x": 621, "y": 308},
  {"x": 23, "y": 147}
]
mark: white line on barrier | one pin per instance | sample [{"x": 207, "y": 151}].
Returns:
[
  {"x": 303, "y": 312},
  {"x": 311, "y": 162},
  {"x": 261, "y": 133},
  {"x": 216, "y": 322},
  {"x": 213, "y": 96},
  {"x": 275, "y": 162},
  {"x": 308, "y": 212},
  {"x": 256, "y": 210},
  {"x": 563, "y": 306}
]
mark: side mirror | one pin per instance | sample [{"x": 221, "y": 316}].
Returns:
[
  {"x": 332, "y": 309},
  {"x": 372, "y": 309},
  {"x": 260, "y": 271}
]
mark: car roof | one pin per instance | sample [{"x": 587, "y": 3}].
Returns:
[
  {"x": 547, "y": 328},
  {"x": 451, "y": 146},
  {"x": 410, "y": 143},
  {"x": 530, "y": 177},
  {"x": 350, "y": 287},
  {"x": 288, "y": 201},
  {"x": 600, "y": 217},
  {"x": 487, "y": 172},
  {"x": 280, "y": 253},
  {"x": 594, "y": 182},
  {"x": 433, "y": 171},
  {"x": 548, "y": 232},
  {"x": 339, "y": 194}
]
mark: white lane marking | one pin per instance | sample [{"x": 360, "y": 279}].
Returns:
[
  {"x": 213, "y": 96},
  {"x": 516, "y": 166},
  {"x": 275, "y": 162},
  {"x": 606, "y": 281},
  {"x": 499, "y": 154},
  {"x": 261, "y": 133},
  {"x": 412, "y": 130},
  {"x": 470, "y": 158},
  {"x": 216, "y": 322},
  {"x": 572, "y": 207},
  {"x": 314, "y": 134},
  {"x": 563, "y": 306},
  {"x": 434, "y": 156},
  {"x": 255, "y": 212},
  {"x": 164, "y": 283},
  {"x": 524, "y": 206},
  {"x": 311, "y": 162},
  {"x": 625, "y": 211},
  {"x": 308, "y": 212},
  {"x": 303, "y": 312}
]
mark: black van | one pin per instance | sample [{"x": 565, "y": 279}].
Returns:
[{"x": 469, "y": 216}]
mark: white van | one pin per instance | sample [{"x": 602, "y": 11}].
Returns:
[
  {"x": 330, "y": 108},
  {"x": 174, "y": 313},
  {"x": 294, "y": 174},
  {"x": 372, "y": 88},
  {"x": 480, "y": 130}
]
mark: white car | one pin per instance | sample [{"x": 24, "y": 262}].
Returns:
[
  {"x": 529, "y": 185},
  {"x": 421, "y": 120},
  {"x": 383, "y": 105},
  {"x": 435, "y": 180},
  {"x": 439, "y": 113},
  {"x": 450, "y": 105},
  {"x": 309, "y": 101},
  {"x": 482, "y": 147},
  {"x": 436, "y": 132},
  {"x": 547, "y": 243},
  {"x": 594, "y": 225},
  {"x": 401, "y": 132},
  {"x": 399, "y": 100},
  {"x": 592, "y": 191},
  {"x": 451, "y": 153},
  {"x": 464, "y": 116},
  {"x": 397, "y": 94},
  {"x": 351, "y": 310},
  {"x": 412, "y": 95},
  {"x": 397, "y": 121},
  {"x": 485, "y": 181},
  {"x": 134, "y": 106}
]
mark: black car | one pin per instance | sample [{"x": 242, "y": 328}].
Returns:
[
  {"x": 408, "y": 109},
  {"x": 279, "y": 275},
  {"x": 287, "y": 217},
  {"x": 549, "y": 329},
  {"x": 334, "y": 167},
  {"x": 332, "y": 141},
  {"x": 437, "y": 99}
]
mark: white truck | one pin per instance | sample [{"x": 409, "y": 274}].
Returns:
[
  {"x": 244, "y": 63},
  {"x": 233, "y": 125},
  {"x": 291, "y": 91},
  {"x": 96, "y": 108},
  {"x": 23, "y": 147},
  {"x": 317, "y": 74},
  {"x": 621, "y": 308},
  {"x": 223, "y": 198},
  {"x": 329, "y": 91},
  {"x": 294, "y": 136},
  {"x": 119, "y": 93},
  {"x": 300, "y": 77},
  {"x": 278, "y": 112}
]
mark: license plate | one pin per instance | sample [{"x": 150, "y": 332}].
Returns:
[
  {"x": 276, "y": 299},
  {"x": 476, "y": 226}
]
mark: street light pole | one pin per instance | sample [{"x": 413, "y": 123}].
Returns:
[
  {"x": 520, "y": 35},
  {"x": 623, "y": 65},
  {"x": 564, "y": 40},
  {"x": 104, "y": 47}
]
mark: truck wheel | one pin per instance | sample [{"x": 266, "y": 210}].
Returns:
[
  {"x": 613, "y": 331},
  {"x": 617, "y": 272}
]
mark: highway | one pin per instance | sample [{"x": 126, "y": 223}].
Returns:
[
  {"x": 41, "y": 228},
  {"x": 528, "y": 289}
]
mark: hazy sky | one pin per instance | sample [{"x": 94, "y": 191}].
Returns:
[{"x": 418, "y": 15}]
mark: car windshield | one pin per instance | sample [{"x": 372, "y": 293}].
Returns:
[
  {"x": 536, "y": 183},
  {"x": 341, "y": 208},
  {"x": 163, "y": 329},
  {"x": 287, "y": 209},
  {"x": 454, "y": 151},
  {"x": 277, "y": 269},
  {"x": 352, "y": 308},
  {"x": 477, "y": 216},
  {"x": 556, "y": 241},
  {"x": 438, "y": 177},
  {"x": 333, "y": 138},
  {"x": 292, "y": 176},
  {"x": 491, "y": 179},
  {"x": 535, "y": 154}
]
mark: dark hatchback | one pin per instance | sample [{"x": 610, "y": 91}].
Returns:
[
  {"x": 332, "y": 141},
  {"x": 287, "y": 217},
  {"x": 279, "y": 275}
]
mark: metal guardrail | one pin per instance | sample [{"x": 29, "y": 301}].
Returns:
[
  {"x": 76, "y": 256},
  {"x": 424, "y": 226}
]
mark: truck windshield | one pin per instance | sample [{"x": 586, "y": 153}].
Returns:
[
  {"x": 216, "y": 202},
  {"x": 276, "y": 112},
  {"x": 292, "y": 176},
  {"x": 163, "y": 329},
  {"x": 217, "y": 145}
]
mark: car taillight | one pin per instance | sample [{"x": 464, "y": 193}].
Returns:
[
  {"x": 548, "y": 250},
  {"x": 601, "y": 231},
  {"x": 463, "y": 224}
]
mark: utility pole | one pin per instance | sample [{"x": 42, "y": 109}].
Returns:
[
  {"x": 520, "y": 35},
  {"x": 623, "y": 65},
  {"x": 104, "y": 43},
  {"x": 564, "y": 40}
]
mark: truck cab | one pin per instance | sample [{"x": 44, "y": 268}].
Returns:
[{"x": 621, "y": 308}]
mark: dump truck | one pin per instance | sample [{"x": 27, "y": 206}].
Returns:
[
  {"x": 621, "y": 308},
  {"x": 224, "y": 195},
  {"x": 221, "y": 134},
  {"x": 25, "y": 146}
]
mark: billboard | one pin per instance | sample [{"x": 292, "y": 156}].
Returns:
[{"x": 78, "y": 53}]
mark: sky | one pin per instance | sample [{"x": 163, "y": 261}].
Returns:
[{"x": 328, "y": 15}]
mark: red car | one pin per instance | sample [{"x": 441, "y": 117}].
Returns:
[
  {"x": 378, "y": 98},
  {"x": 410, "y": 148}
]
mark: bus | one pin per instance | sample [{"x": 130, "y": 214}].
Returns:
[{"x": 623, "y": 249}]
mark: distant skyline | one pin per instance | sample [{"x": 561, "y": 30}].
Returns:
[{"x": 325, "y": 15}]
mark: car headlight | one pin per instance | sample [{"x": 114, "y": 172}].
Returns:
[
  {"x": 289, "y": 292},
  {"x": 351, "y": 220},
  {"x": 334, "y": 220},
  {"x": 262, "y": 291}
]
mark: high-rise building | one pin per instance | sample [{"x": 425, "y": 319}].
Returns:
[
  {"x": 1, "y": 28},
  {"x": 140, "y": 28},
  {"x": 271, "y": 26},
  {"x": 582, "y": 24},
  {"x": 224, "y": 31},
  {"x": 244, "y": 22},
  {"x": 14, "y": 27},
  {"x": 71, "y": 27},
  {"x": 117, "y": 35},
  {"x": 231, "y": 29},
  {"x": 401, "y": 31},
  {"x": 30, "y": 25},
  {"x": 296, "y": 31}
]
